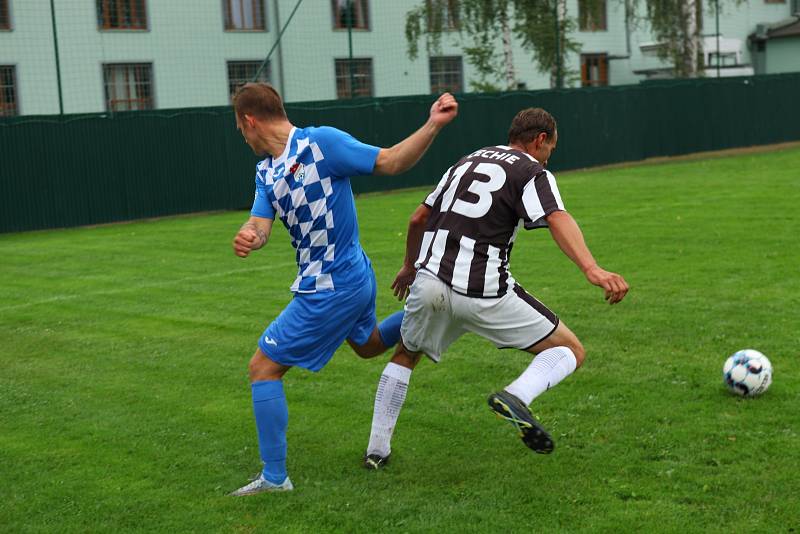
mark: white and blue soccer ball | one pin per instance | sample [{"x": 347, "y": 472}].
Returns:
[{"x": 747, "y": 373}]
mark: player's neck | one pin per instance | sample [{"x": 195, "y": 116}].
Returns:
[
  {"x": 276, "y": 137},
  {"x": 529, "y": 149},
  {"x": 517, "y": 146}
]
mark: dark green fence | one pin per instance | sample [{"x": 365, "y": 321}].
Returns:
[{"x": 78, "y": 170}]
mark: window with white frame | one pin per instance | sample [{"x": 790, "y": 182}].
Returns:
[
  {"x": 448, "y": 13},
  {"x": 5, "y": 16},
  {"x": 447, "y": 74},
  {"x": 592, "y": 15},
  {"x": 594, "y": 70},
  {"x": 241, "y": 72},
  {"x": 350, "y": 13},
  {"x": 244, "y": 15},
  {"x": 128, "y": 86},
  {"x": 122, "y": 14},
  {"x": 353, "y": 77},
  {"x": 8, "y": 91}
]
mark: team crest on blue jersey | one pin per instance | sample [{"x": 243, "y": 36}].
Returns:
[{"x": 298, "y": 170}]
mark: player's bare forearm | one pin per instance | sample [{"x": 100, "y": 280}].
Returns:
[
  {"x": 405, "y": 154},
  {"x": 253, "y": 235},
  {"x": 416, "y": 228},
  {"x": 568, "y": 236}
]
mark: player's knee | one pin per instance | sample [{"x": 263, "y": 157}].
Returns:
[
  {"x": 373, "y": 347},
  {"x": 403, "y": 357},
  {"x": 369, "y": 350},
  {"x": 255, "y": 367},
  {"x": 261, "y": 368}
]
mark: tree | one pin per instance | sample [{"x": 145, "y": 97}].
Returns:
[
  {"x": 541, "y": 26},
  {"x": 676, "y": 25}
]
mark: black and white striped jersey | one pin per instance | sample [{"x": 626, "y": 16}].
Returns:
[{"x": 476, "y": 211}]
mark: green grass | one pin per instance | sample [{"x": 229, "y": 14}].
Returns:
[{"x": 124, "y": 402}]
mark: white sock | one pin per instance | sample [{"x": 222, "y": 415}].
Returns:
[
  {"x": 388, "y": 402},
  {"x": 547, "y": 369}
]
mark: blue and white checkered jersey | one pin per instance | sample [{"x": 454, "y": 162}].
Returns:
[{"x": 308, "y": 188}]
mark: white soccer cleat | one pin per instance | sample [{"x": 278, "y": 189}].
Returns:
[{"x": 262, "y": 485}]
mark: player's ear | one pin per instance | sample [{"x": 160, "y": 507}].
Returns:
[{"x": 541, "y": 139}]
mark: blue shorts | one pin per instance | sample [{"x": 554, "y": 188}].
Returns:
[{"x": 313, "y": 326}]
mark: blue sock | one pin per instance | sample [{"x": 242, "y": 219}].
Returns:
[
  {"x": 389, "y": 329},
  {"x": 272, "y": 418}
]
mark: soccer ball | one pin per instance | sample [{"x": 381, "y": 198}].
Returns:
[{"x": 747, "y": 373}]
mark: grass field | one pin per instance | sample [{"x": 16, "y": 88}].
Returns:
[{"x": 124, "y": 402}]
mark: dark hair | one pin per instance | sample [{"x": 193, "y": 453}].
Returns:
[
  {"x": 529, "y": 123},
  {"x": 260, "y": 100}
]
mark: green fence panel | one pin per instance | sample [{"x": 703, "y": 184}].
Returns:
[{"x": 61, "y": 171}]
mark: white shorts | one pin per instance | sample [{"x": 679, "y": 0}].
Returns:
[{"x": 436, "y": 316}]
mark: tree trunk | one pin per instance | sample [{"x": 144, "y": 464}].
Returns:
[
  {"x": 692, "y": 47},
  {"x": 508, "y": 55},
  {"x": 557, "y": 71}
]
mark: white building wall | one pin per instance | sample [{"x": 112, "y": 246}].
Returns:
[
  {"x": 28, "y": 46},
  {"x": 186, "y": 43}
]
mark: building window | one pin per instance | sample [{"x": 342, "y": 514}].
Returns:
[
  {"x": 592, "y": 15},
  {"x": 353, "y": 78},
  {"x": 724, "y": 59},
  {"x": 241, "y": 72},
  {"x": 8, "y": 91},
  {"x": 5, "y": 18},
  {"x": 448, "y": 13},
  {"x": 122, "y": 14},
  {"x": 129, "y": 86},
  {"x": 244, "y": 15},
  {"x": 447, "y": 74},
  {"x": 594, "y": 70},
  {"x": 353, "y": 13}
]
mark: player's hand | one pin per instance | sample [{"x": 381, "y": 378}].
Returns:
[
  {"x": 614, "y": 285},
  {"x": 444, "y": 109},
  {"x": 402, "y": 282},
  {"x": 245, "y": 241}
]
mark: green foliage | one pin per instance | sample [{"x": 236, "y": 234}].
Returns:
[
  {"x": 681, "y": 41},
  {"x": 670, "y": 23},
  {"x": 480, "y": 23},
  {"x": 124, "y": 403}
]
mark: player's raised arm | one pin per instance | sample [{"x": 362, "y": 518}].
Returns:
[
  {"x": 568, "y": 236},
  {"x": 253, "y": 235},
  {"x": 407, "y": 152}
]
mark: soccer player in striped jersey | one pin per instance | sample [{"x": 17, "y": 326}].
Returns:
[
  {"x": 304, "y": 181},
  {"x": 456, "y": 278}
]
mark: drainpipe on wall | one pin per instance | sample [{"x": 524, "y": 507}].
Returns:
[{"x": 58, "y": 60}]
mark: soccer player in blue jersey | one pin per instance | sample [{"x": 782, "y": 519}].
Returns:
[{"x": 304, "y": 181}]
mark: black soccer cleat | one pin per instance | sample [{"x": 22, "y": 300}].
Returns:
[
  {"x": 534, "y": 436},
  {"x": 375, "y": 462}
]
